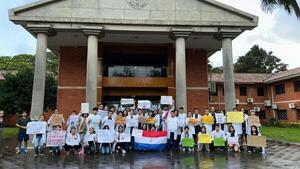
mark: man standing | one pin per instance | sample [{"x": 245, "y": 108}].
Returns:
[
  {"x": 22, "y": 136},
  {"x": 1, "y": 129}
]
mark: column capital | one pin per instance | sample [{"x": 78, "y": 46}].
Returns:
[
  {"x": 180, "y": 33},
  {"x": 227, "y": 33},
  {"x": 41, "y": 28},
  {"x": 93, "y": 30}
]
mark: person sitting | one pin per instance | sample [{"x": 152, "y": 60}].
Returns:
[
  {"x": 232, "y": 140},
  {"x": 105, "y": 148},
  {"x": 72, "y": 142},
  {"x": 120, "y": 146},
  {"x": 202, "y": 145},
  {"x": 56, "y": 150},
  {"x": 90, "y": 142},
  {"x": 218, "y": 134},
  {"x": 186, "y": 134},
  {"x": 254, "y": 132}
]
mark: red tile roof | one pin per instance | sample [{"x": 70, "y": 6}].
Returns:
[
  {"x": 242, "y": 77},
  {"x": 292, "y": 73}
]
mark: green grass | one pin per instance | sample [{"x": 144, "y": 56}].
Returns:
[
  {"x": 10, "y": 132},
  {"x": 280, "y": 133}
]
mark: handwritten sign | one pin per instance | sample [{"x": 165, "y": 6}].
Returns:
[
  {"x": 137, "y": 133},
  {"x": 254, "y": 121},
  {"x": 85, "y": 107},
  {"x": 187, "y": 142},
  {"x": 232, "y": 140},
  {"x": 144, "y": 104},
  {"x": 127, "y": 101},
  {"x": 207, "y": 119},
  {"x": 132, "y": 122},
  {"x": 110, "y": 123},
  {"x": 235, "y": 117},
  {"x": 257, "y": 141},
  {"x": 106, "y": 136},
  {"x": 204, "y": 138},
  {"x": 120, "y": 120},
  {"x": 73, "y": 119},
  {"x": 219, "y": 142},
  {"x": 168, "y": 100},
  {"x": 220, "y": 118},
  {"x": 124, "y": 138},
  {"x": 36, "y": 127},
  {"x": 193, "y": 121},
  {"x": 56, "y": 138},
  {"x": 103, "y": 113},
  {"x": 56, "y": 119}
]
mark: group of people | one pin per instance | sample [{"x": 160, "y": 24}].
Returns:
[{"x": 82, "y": 130}]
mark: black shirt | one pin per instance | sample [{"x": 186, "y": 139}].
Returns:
[{"x": 23, "y": 122}]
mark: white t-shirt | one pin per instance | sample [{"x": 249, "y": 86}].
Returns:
[
  {"x": 172, "y": 124},
  {"x": 73, "y": 140},
  {"x": 220, "y": 134},
  {"x": 182, "y": 119}
]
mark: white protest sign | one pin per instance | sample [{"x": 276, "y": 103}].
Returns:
[
  {"x": 124, "y": 138},
  {"x": 144, "y": 104},
  {"x": 85, "y": 108},
  {"x": 106, "y": 136},
  {"x": 232, "y": 140},
  {"x": 220, "y": 118},
  {"x": 166, "y": 100},
  {"x": 74, "y": 140},
  {"x": 137, "y": 133},
  {"x": 132, "y": 122},
  {"x": 110, "y": 123},
  {"x": 56, "y": 138},
  {"x": 103, "y": 113},
  {"x": 127, "y": 101},
  {"x": 73, "y": 120},
  {"x": 36, "y": 127}
]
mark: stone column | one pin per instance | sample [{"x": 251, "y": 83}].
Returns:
[
  {"x": 92, "y": 34},
  {"x": 180, "y": 69},
  {"x": 38, "y": 90}
]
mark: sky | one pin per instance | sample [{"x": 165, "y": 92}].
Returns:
[{"x": 276, "y": 31}]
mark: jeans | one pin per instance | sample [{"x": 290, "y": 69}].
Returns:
[
  {"x": 172, "y": 141},
  {"x": 38, "y": 145},
  {"x": 105, "y": 149}
]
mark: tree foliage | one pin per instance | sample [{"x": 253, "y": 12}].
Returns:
[
  {"x": 288, "y": 5},
  {"x": 257, "y": 60}
]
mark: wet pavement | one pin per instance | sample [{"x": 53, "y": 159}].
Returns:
[{"x": 278, "y": 156}]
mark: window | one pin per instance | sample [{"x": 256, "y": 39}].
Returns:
[
  {"x": 279, "y": 89},
  {"x": 215, "y": 93},
  {"x": 282, "y": 115},
  {"x": 260, "y": 91},
  {"x": 297, "y": 86},
  {"x": 298, "y": 114},
  {"x": 261, "y": 114},
  {"x": 243, "y": 91}
]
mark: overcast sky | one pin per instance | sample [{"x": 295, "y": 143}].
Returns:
[{"x": 277, "y": 32}]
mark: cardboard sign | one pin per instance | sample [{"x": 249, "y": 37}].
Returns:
[
  {"x": 204, "y": 138},
  {"x": 168, "y": 100},
  {"x": 103, "y": 113},
  {"x": 187, "y": 142},
  {"x": 56, "y": 119},
  {"x": 194, "y": 121},
  {"x": 254, "y": 121},
  {"x": 257, "y": 141},
  {"x": 142, "y": 119},
  {"x": 106, "y": 136},
  {"x": 127, "y": 101},
  {"x": 219, "y": 142},
  {"x": 220, "y": 118},
  {"x": 207, "y": 119},
  {"x": 120, "y": 121},
  {"x": 125, "y": 138},
  {"x": 144, "y": 104},
  {"x": 232, "y": 140},
  {"x": 235, "y": 117},
  {"x": 85, "y": 107},
  {"x": 36, "y": 127},
  {"x": 56, "y": 138},
  {"x": 132, "y": 122},
  {"x": 137, "y": 133}
]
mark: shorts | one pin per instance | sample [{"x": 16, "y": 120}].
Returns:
[{"x": 23, "y": 136}]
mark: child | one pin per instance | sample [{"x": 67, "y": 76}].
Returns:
[
  {"x": 105, "y": 148},
  {"x": 232, "y": 140},
  {"x": 39, "y": 140},
  {"x": 172, "y": 128},
  {"x": 186, "y": 134},
  {"x": 90, "y": 142},
  {"x": 22, "y": 136},
  {"x": 120, "y": 146},
  {"x": 72, "y": 141},
  {"x": 201, "y": 145}
]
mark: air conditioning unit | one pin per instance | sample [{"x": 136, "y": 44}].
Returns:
[
  {"x": 237, "y": 101},
  {"x": 250, "y": 100},
  {"x": 256, "y": 109},
  {"x": 268, "y": 103},
  {"x": 292, "y": 105},
  {"x": 274, "y": 106}
]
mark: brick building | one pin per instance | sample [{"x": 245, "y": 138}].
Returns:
[{"x": 272, "y": 95}]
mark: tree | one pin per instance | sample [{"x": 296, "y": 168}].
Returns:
[
  {"x": 257, "y": 60},
  {"x": 288, "y": 5}
]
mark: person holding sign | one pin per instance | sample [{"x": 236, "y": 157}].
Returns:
[
  {"x": 89, "y": 142},
  {"x": 172, "y": 128},
  {"x": 208, "y": 121},
  {"x": 204, "y": 140},
  {"x": 72, "y": 142},
  {"x": 218, "y": 137},
  {"x": 39, "y": 140},
  {"x": 232, "y": 140},
  {"x": 253, "y": 120},
  {"x": 83, "y": 127},
  {"x": 105, "y": 147},
  {"x": 167, "y": 104},
  {"x": 255, "y": 132},
  {"x": 94, "y": 120},
  {"x": 120, "y": 144},
  {"x": 22, "y": 136},
  {"x": 197, "y": 125},
  {"x": 109, "y": 121},
  {"x": 56, "y": 119},
  {"x": 238, "y": 120},
  {"x": 120, "y": 120},
  {"x": 186, "y": 140},
  {"x": 55, "y": 150},
  {"x": 190, "y": 123},
  {"x": 73, "y": 121}
]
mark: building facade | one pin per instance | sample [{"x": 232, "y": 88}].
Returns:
[{"x": 110, "y": 49}]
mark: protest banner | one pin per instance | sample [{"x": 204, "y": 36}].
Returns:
[
  {"x": 187, "y": 142},
  {"x": 85, "y": 108},
  {"x": 220, "y": 118},
  {"x": 168, "y": 100},
  {"x": 103, "y": 113},
  {"x": 56, "y": 138},
  {"x": 257, "y": 141},
  {"x": 232, "y": 140},
  {"x": 219, "y": 142},
  {"x": 56, "y": 119},
  {"x": 127, "y": 101},
  {"x": 36, "y": 127},
  {"x": 120, "y": 120},
  {"x": 125, "y": 138},
  {"x": 235, "y": 117},
  {"x": 254, "y": 121},
  {"x": 207, "y": 119},
  {"x": 137, "y": 133},
  {"x": 194, "y": 121},
  {"x": 106, "y": 136},
  {"x": 204, "y": 138},
  {"x": 144, "y": 104}
]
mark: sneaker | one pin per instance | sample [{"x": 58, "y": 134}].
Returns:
[
  {"x": 123, "y": 151},
  {"x": 190, "y": 150}
]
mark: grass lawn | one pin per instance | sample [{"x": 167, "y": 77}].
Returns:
[
  {"x": 279, "y": 133},
  {"x": 10, "y": 132}
]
